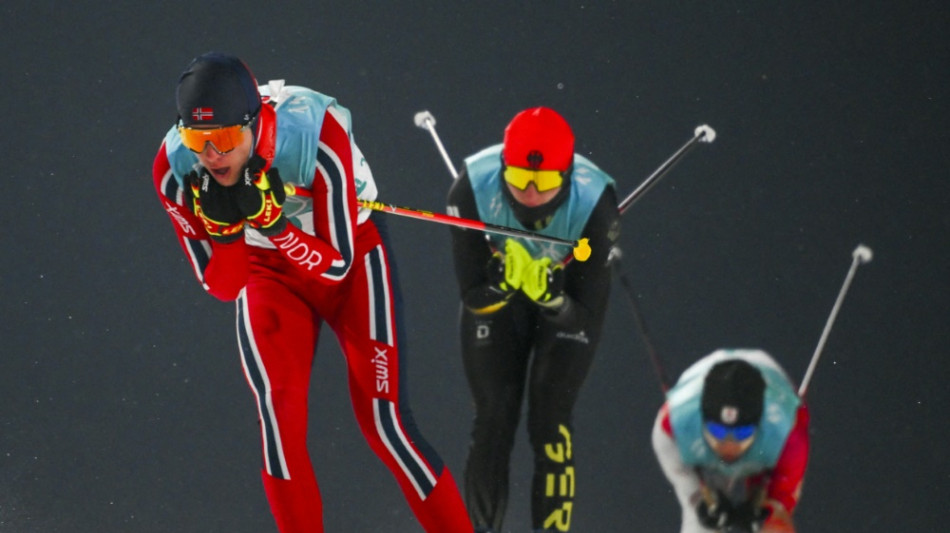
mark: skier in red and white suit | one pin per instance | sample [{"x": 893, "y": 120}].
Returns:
[
  {"x": 732, "y": 439},
  {"x": 292, "y": 263}
]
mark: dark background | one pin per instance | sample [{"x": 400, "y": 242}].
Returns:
[{"x": 123, "y": 406}]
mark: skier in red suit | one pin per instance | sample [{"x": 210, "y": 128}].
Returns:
[{"x": 292, "y": 263}]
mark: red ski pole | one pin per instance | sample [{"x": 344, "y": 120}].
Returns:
[{"x": 581, "y": 248}]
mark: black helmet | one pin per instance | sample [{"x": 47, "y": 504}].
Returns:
[
  {"x": 733, "y": 393},
  {"x": 217, "y": 89}
]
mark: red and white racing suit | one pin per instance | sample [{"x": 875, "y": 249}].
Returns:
[
  {"x": 282, "y": 300},
  {"x": 778, "y": 484}
]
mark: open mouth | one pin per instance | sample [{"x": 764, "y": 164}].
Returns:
[{"x": 221, "y": 172}]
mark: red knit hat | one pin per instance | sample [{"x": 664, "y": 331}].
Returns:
[{"x": 540, "y": 139}]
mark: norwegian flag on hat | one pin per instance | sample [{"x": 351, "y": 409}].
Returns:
[
  {"x": 217, "y": 89},
  {"x": 202, "y": 113}
]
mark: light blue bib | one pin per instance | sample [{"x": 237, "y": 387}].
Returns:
[{"x": 570, "y": 218}]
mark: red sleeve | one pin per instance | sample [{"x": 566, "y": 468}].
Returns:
[
  {"x": 228, "y": 270},
  {"x": 308, "y": 253},
  {"x": 665, "y": 419},
  {"x": 335, "y": 207},
  {"x": 185, "y": 222},
  {"x": 786, "y": 483},
  {"x": 221, "y": 268}
]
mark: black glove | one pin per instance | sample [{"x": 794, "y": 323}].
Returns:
[
  {"x": 714, "y": 516},
  {"x": 260, "y": 196},
  {"x": 746, "y": 517},
  {"x": 214, "y": 205}
]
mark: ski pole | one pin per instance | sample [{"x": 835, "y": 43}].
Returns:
[
  {"x": 615, "y": 257},
  {"x": 426, "y": 121},
  {"x": 861, "y": 255},
  {"x": 702, "y": 134},
  {"x": 581, "y": 248}
]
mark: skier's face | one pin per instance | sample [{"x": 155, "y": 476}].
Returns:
[
  {"x": 728, "y": 448},
  {"x": 226, "y": 167},
  {"x": 530, "y": 197}
]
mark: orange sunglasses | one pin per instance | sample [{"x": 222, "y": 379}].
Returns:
[{"x": 223, "y": 140}]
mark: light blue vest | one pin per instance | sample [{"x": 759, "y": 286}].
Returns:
[
  {"x": 570, "y": 218},
  {"x": 778, "y": 416}
]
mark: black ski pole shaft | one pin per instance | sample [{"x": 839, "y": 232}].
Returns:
[
  {"x": 703, "y": 134},
  {"x": 641, "y": 323}
]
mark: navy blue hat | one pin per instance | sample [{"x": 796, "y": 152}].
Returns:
[
  {"x": 733, "y": 393},
  {"x": 217, "y": 89}
]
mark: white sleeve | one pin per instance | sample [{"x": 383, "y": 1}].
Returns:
[
  {"x": 365, "y": 184},
  {"x": 684, "y": 480}
]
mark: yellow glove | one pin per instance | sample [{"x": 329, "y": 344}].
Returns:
[
  {"x": 517, "y": 259},
  {"x": 544, "y": 283},
  {"x": 504, "y": 272}
]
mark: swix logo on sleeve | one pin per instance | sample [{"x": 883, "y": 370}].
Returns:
[
  {"x": 202, "y": 113},
  {"x": 180, "y": 219}
]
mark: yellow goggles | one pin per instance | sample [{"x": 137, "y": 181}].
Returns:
[
  {"x": 223, "y": 140},
  {"x": 544, "y": 180}
]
